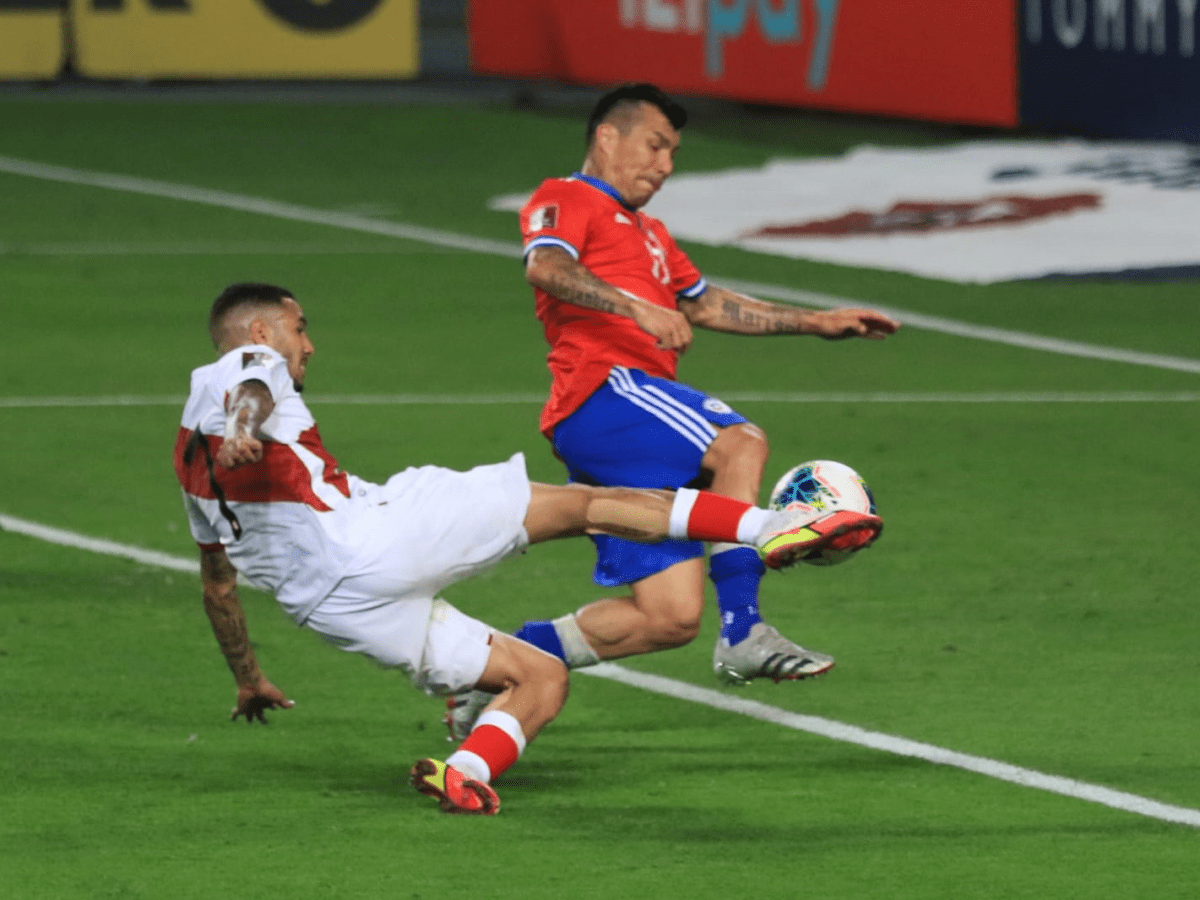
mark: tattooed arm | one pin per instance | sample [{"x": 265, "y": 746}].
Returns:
[
  {"x": 248, "y": 405},
  {"x": 255, "y": 694},
  {"x": 720, "y": 309},
  {"x": 556, "y": 272}
]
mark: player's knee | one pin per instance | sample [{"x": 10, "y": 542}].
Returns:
[
  {"x": 742, "y": 442},
  {"x": 752, "y": 441},
  {"x": 549, "y": 679},
  {"x": 675, "y": 627}
]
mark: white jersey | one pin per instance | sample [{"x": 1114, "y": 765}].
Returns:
[{"x": 300, "y": 516}]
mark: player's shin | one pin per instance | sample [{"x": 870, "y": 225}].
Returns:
[
  {"x": 635, "y": 515},
  {"x": 736, "y": 572},
  {"x": 648, "y": 516}
]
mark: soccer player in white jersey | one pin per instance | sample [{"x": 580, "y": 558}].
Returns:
[{"x": 362, "y": 563}]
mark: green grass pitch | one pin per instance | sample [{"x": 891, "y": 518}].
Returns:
[{"x": 1032, "y": 601}]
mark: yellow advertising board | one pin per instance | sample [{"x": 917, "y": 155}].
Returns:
[
  {"x": 245, "y": 38},
  {"x": 31, "y": 38}
]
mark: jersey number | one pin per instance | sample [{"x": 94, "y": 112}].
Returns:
[{"x": 658, "y": 260}]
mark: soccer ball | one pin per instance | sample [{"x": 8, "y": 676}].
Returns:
[{"x": 824, "y": 486}]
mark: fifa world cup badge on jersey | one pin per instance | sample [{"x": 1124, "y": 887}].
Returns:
[
  {"x": 543, "y": 217},
  {"x": 253, "y": 358}
]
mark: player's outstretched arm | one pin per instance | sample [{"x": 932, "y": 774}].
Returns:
[
  {"x": 255, "y": 694},
  {"x": 560, "y": 275},
  {"x": 720, "y": 309}
]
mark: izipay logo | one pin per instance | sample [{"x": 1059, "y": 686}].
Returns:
[{"x": 723, "y": 21}]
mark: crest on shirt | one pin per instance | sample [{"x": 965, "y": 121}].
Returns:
[
  {"x": 623, "y": 219},
  {"x": 257, "y": 358},
  {"x": 720, "y": 407},
  {"x": 543, "y": 217}
]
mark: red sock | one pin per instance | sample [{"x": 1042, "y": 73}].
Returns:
[
  {"x": 710, "y": 517},
  {"x": 496, "y": 741}
]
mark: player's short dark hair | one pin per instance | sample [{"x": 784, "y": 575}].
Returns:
[
  {"x": 246, "y": 292},
  {"x": 632, "y": 93}
]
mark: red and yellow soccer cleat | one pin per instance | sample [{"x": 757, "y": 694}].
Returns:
[
  {"x": 806, "y": 536},
  {"x": 455, "y": 792}
]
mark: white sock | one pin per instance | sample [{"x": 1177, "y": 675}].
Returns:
[
  {"x": 471, "y": 765},
  {"x": 753, "y": 523}
]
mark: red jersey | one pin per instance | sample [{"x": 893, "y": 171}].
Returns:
[{"x": 621, "y": 246}]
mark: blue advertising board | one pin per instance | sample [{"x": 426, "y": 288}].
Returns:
[{"x": 1117, "y": 68}]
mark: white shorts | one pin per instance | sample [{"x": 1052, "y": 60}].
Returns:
[{"x": 430, "y": 528}]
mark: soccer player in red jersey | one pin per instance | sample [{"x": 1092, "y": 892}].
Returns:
[{"x": 618, "y": 301}]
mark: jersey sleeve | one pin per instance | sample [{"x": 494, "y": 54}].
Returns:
[
  {"x": 259, "y": 363},
  {"x": 555, "y": 216}
]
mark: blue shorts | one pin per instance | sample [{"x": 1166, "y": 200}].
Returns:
[{"x": 640, "y": 431}]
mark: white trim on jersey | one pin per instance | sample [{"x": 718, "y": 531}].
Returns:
[
  {"x": 549, "y": 241},
  {"x": 675, "y": 415}
]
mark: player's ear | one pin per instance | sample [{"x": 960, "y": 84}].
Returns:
[
  {"x": 606, "y": 135},
  {"x": 260, "y": 332}
]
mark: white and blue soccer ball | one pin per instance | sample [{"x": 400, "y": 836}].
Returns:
[{"x": 823, "y": 486}]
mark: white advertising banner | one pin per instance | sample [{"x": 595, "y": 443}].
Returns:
[{"x": 975, "y": 212}]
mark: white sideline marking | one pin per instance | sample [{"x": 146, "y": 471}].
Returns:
[
  {"x": 66, "y": 538},
  {"x": 513, "y": 250},
  {"x": 202, "y": 248},
  {"x": 852, "y": 734},
  {"x": 259, "y": 205},
  {"x": 733, "y": 397},
  {"x": 828, "y": 728}
]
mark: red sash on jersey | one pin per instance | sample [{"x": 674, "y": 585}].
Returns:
[{"x": 280, "y": 476}]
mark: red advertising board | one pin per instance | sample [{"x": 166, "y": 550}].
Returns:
[{"x": 943, "y": 60}]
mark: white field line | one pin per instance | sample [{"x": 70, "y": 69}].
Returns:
[
  {"x": 852, "y": 734},
  {"x": 119, "y": 400},
  {"x": 828, "y": 728},
  {"x": 66, "y": 538},
  {"x": 203, "y": 248},
  {"x": 450, "y": 240},
  {"x": 258, "y": 205}
]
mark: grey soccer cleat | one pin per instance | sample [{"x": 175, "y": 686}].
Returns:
[
  {"x": 766, "y": 653},
  {"x": 462, "y": 710}
]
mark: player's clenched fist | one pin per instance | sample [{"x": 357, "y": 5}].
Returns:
[{"x": 240, "y": 450}]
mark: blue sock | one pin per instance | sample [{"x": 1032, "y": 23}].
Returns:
[
  {"x": 543, "y": 636},
  {"x": 736, "y": 573}
]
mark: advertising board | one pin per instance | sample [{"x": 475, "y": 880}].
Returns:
[
  {"x": 245, "y": 39},
  {"x": 31, "y": 38},
  {"x": 1125, "y": 68},
  {"x": 945, "y": 60}
]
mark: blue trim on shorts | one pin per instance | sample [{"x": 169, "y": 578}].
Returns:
[{"x": 638, "y": 430}]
